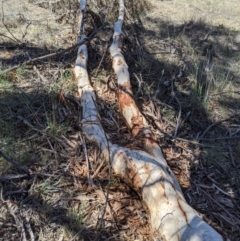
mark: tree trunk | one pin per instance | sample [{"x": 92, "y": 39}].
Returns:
[{"x": 146, "y": 171}]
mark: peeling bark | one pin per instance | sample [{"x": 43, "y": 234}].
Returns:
[{"x": 172, "y": 219}]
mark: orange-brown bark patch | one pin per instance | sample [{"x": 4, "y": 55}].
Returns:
[
  {"x": 134, "y": 176},
  {"x": 119, "y": 62},
  {"x": 130, "y": 175},
  {"x": 125, "y": 100}
]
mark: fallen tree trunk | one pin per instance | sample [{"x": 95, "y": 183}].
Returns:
[{"x": 146, "y": 171}]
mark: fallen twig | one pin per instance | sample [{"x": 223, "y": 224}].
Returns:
[
  {"x": 14, "y": 163},
  {"x": 180, "y": 110},
  {"x": 45, "y": 81},
  {"x": 159, "y": 83},
  {"x": 72, "y": 99},
  {"x": 98, "y": 169},
  {"x": 211, "y": 126},
  {"x": 217, "y": 203},
  {"x": 77, "y": 234},
  {"x": 226, "y": 92},
  {"x": 86, "y": 39},
  {"x": 29, "y": 229},
  {"x": 100, "y": 63},
  {"x": 90, "y": 180},
  {"x": 1, "y": 193},
  {"x": 156, "y": 121},
  {"x": 18, "y": 221},
  {"x": 12, "y": 177},
  {"x": 217, "y": 138},
  {"x": 140, "y": 82},
  {"x": 8, "y": 37}
]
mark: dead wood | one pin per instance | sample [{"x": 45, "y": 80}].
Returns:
[
  {"x": 14, "y": 163},
  {"x": 144, "y": 170}
]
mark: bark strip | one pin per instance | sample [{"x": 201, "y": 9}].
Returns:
[{"x": 172, "y": 219}]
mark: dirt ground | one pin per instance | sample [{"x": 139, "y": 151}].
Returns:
[{"x": 53, "y": 183}]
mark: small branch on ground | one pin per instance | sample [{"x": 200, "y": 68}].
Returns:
[
  {"x": 29, "y": 229},
  {"x": 30, "y": 61},
  {"x": 14, "y": 163},
  {"x": 211, "y": 126},
  {"x": 45, "y": 81},
  {"x": 72, "y": 99},
  {"x": 100, "y": 63},
  {"x": 180, "y": 110},
  {"x": 77, "y": 234},
  {"x": 90, "y": 180},
  {"x": 12, "y": 177},
  {"x": 159, "y": 83}
]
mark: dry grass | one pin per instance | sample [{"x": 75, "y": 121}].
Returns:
[
  {"x": 212, "y": 12},
  {"x": 181, "y": 48}
]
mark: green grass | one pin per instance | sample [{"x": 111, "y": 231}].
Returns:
[
  {"x": 77, "y": 216},
  {"x": 67, "y": 75},
  {"x": 115, "y": 182},
  {"x": 5, "y": 82},
  {"x": 169, "y": 113},
  {"x": 20, "y": 72},
  {"x": 53, "y": 128}
]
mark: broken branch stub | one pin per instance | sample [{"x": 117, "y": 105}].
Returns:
[{"x": 172, "y": 219}]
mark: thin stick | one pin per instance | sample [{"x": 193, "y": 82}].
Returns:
[
  {"x": 14, "y": 163},
  {"x": 226, "y": 92},
  {"x": 7, "y": 37},
  {"x": 97, "y": 171},
  {"x": 194, "y": 142},
  {"x": 179, "y": 115},
  {"x": 159, "y": 83},
  {"x": 180, "y": 110},
  {"x": 77, "y": 234},
  {"x": 217, "y": 203},
  {"x": 140, "y": 82},
  {"x": 1, "y": 193},
  {"x": 72, "y": 99},
  {"x": 86, "y": 39},
  {"x": 45, "y": 81},
  {"x": 12, "y": 177},
  {"x": 211, "y": 126},
  {"x": 217, "y": 138},
  {"x": 29, "y": 229},
  {"x": 100, "y": 63},
  {"x": 90, "y": 180}
]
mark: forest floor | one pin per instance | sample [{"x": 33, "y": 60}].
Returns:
[{"x": 184, "y": 62}]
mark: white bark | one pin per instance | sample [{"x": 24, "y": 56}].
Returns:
[
  {"x": 90, "y": 123},
  {"x": 172, "y": 219}
]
